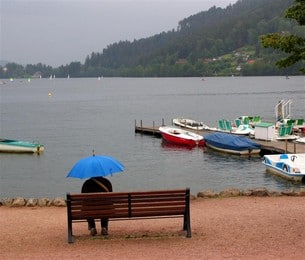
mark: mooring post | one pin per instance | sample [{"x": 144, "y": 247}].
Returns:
[{"x": 141, "y": 125}]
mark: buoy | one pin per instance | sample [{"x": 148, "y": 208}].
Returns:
[{"x": 49, "y": 94}]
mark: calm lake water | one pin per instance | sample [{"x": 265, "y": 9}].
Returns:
[{"x": 71, "y": 117}]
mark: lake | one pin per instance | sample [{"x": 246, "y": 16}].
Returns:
[{"x": 72, "y": 117}]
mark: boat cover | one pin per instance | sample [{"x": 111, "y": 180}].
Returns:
[{"x": 231, "y": 142}]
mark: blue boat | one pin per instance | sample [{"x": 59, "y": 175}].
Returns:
[{"x": 232, "y": 144}]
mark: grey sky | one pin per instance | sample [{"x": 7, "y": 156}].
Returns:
[{"x": 57, "y": 32}]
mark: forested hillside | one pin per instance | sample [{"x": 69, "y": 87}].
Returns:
[{"x": 214, "y": 42}]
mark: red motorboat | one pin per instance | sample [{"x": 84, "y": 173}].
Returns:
[{"x": 180, "y": 136}]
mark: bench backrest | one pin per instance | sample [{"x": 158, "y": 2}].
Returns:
[{"x": 128, "y": 204}]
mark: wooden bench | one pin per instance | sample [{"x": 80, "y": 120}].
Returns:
[{"x": 129, "y": 205}]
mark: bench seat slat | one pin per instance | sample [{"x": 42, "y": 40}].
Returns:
[{"x": 103, "y": 213}]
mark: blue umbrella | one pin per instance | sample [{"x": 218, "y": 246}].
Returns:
[{"x": 95, "y": 166}]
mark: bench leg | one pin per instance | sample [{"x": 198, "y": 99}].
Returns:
[
  {"x": 188, "y": 230},
  {"x": 69, "y": 219},
  {"x": 70, "y": 237},
  {"x": 187, "y": 226},
  {"x": 187, "y": 215}
]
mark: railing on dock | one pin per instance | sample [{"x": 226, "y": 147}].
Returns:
[{"x": 148, "y": 130}]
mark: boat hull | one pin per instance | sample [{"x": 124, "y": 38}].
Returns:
[
  {"x": 181, "y": 137},
  {"x": 288, "y": 166},
  {"x": 14, "y": 146}
]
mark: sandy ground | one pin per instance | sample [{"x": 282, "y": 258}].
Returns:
[{"x": 225, "y": 228}]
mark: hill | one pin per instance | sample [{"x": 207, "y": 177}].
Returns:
[
  {"x": 219, "y": 41},
  {"x": 214, "y": 42}
]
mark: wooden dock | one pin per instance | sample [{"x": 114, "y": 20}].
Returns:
[
  {"x": 148, "y": 130},
  {"x": 267, "y": 146}
]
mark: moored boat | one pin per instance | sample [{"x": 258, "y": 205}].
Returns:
[
  {"x": 300, "y": 140},
  {"x": 179, "y": 136},
  {"x": 189, "y": 123},
  {"x": 232, "y": 144},
  {"x": 16, "y": 146},
  {"x": 288, "y": 166},
  {"x": 225, "y": 126}
]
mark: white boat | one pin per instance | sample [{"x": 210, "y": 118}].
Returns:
[
  {"x": 225, "y": 126},
  {"x": 297, "y": 125},
  {"x": 284, "y": 132},
  {"x": 15, "y": 146},
  {"x": 247, "y": 120},
  {"x": 288, "y": 166},
  {"x": 300, "y": 140},
  {"x": 181, "y": 137},
  {"x": 189, "y": 123}
]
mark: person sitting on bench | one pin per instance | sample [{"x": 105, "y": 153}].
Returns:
[{"x": 97, "y": 184}]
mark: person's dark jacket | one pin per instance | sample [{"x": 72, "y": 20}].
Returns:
[{"x": 97, "y": 184}]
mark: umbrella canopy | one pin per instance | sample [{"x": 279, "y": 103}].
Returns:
[{"x": 95, "y": 166}]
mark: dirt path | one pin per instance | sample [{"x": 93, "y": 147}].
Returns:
[{"x": 230, "y": 228}]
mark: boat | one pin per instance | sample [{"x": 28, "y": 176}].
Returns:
[
  {"x": 300, "y": 140},
  {"x": 16, "y": 146},
  {"x": 297, "y": 125},
  {"x": 284, "y": 132},
  {"x": 180, "y": 136},
  {"x": 288, "y": 166},
  {"x": 247, "y": 120},
  {"x": 232, "y": 144},
  {"x": 189, "y": 123},
  {"x": 225, "y": 126}
]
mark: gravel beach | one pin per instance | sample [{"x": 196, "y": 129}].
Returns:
[{"x": 222, "y": 228}]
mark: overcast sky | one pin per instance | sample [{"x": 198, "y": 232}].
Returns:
[{"x": 57, "y": 32}]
